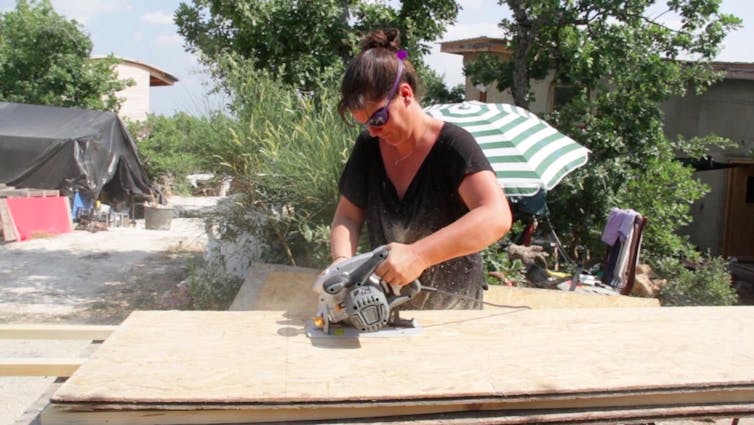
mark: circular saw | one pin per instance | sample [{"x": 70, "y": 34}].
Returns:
[{"x": 351, "y": 293}]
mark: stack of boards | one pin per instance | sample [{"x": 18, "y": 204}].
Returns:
[{"x": 507, "y": 365}]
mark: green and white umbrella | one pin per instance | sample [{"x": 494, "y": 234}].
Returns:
[{"x": 527, "y": 154}]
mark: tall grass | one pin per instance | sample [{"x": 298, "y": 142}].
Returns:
[{"x": 286, "y": 160}]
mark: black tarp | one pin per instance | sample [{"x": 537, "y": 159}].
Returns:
[{"x": 70, "y": 149}]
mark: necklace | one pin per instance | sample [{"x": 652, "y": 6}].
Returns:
[{"x": 403, "y": 157}]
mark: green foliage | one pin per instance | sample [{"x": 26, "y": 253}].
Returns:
[
  {"x": 173, "y": 147},
  {"x": 287, "y": 155},
  {"x": 497, "y": 260},
  {"x": 708, "y": 284},
  {"x": 436, "y": 92},
  {"x": 305, "y": 44},
  {"x": 44, "y": 59},
  {"x": 211, "y": 287}
]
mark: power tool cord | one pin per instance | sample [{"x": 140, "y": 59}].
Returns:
[{"x": 440, "y": 291}]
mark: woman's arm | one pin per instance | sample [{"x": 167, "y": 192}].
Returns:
[
  {"x": 345, "y": 229},
  {"x": 488, "y": 219}
]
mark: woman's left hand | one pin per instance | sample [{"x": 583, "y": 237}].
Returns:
[{"x": 402, "y": 266}]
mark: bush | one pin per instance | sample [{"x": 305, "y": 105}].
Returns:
[
  {"x": 496, "y": 260},
  {"x": 173, "y": 147},
  {"x": 709, "y": 283},
  {"x": 211, "y": 287},
  {"x": 286, "y": 159}
]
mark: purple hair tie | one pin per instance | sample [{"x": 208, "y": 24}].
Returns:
[{"x": 401, "y": 54}]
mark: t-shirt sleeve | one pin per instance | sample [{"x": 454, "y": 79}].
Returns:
[
  {"x": 353, "y": 180},
  {"x": 472, "y": 159}
]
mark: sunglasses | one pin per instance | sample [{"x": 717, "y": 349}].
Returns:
[{"x": 380, "y": 116}]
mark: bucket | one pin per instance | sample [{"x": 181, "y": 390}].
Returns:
[{"x": 158, "y": 218}]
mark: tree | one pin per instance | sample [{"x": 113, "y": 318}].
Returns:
[
  {"x": 44, "y": 59},
  {"x": 620, "y": 64},
  {"x": 305, "y": 43},
  {"x": 436, "y": 92}
]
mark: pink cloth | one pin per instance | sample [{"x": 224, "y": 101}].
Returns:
[{"x": 619, "y": 225}]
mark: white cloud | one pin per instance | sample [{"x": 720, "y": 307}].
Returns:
[
  {"x": 169, "y": 40},
  {"x": 157, "y": 18},
  {"x": 461, "y": 31},
  {"x": 85, "y": 10},
  {"x": 474, "y": 5}
]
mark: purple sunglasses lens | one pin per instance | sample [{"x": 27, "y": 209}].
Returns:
[{"x": 378, "y": 118}]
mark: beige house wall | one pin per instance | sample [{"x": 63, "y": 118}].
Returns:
[
  {"x": 542, "y": 90},
  {"x": 135, "y": 106}
]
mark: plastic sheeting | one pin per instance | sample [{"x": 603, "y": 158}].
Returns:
[{"x": 72, "y": 150}]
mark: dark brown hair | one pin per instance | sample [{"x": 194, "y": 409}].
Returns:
[{"x": 370, "y": 74}]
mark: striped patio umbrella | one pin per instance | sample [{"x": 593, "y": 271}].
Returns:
[{"x": 527, "y": 154}]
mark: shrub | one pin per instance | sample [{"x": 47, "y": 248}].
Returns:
[
  {"x": 709, "y": 283},
  {"x": 173, "y": 147},
  {"x": 496, "y": 260},
  {"x": 211, "y": 287}
]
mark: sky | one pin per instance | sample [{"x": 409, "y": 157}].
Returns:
[{"x": 143, "y": 30}]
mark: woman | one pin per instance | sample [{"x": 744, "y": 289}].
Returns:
[{"x": 423, "y": 186}]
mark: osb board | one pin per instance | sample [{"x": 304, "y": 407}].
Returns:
[
  {"x": 59, "y": 414},
  {"x": 561, "y": 356},
  {"x": 289, "y": 289},
  {"x": 551, "y": 298},
  {"x": 279, "y": 288}
]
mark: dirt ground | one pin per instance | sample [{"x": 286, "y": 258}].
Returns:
[
  {"x": 88, "y": 277},
  {"x": 100, "y": 277}
]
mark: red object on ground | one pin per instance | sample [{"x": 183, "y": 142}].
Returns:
[{"x": 40, "y": 215}]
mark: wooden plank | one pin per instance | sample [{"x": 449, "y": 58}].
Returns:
[
  {"x": 28, "y": 193},
  {"x": 548, "y": 298},
  {"x": 39, "y": 366},
  {"x": 45, "y": 331},
  {"x": 6, "y": 221},
  {"x": 277, "y": 287},
  {"x": 59, "y": 415},
  {"x": 461, "y": 360},
  {"x": 286, "y": 288}
]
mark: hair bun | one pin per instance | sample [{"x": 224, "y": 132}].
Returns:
[{"x": 385, "y": 38}]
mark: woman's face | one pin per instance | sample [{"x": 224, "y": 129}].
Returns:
[{"x": 385, "y": 112}]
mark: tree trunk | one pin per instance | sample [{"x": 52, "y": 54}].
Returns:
[{"x": 523, "y": 39}]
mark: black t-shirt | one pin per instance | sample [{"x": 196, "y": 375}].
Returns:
[{"x": 430, "y": 203}]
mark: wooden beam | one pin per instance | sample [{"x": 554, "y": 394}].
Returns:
[
  {"x": 59, "y": 367},
  {"x": 41, "y": 331},
  {"x": 55, "y": 414}
]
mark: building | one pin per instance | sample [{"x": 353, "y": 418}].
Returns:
[
  {"x": 724, "y": 219},
  {"x": 135, "y": 106}
]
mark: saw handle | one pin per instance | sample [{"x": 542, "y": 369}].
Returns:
[
  {"x": 359, "y": 276},
  {"x": 363, "y": 272},
  {"x": 407, "y": 292}
]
